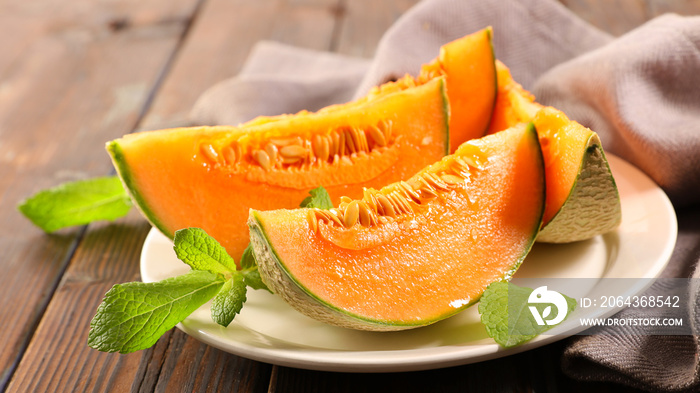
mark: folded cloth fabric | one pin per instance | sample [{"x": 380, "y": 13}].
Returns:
[{"x": 640, "y": 92}]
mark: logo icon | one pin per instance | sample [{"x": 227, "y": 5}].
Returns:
[{"x": 542, "y": 295}]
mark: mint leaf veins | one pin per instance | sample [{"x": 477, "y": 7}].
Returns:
[
  {"x": 134, "y": 315},
  {"x": 77, "y": 203},
  {"x": 229, "y": 301},
  {"x": 199, "y": 250},
  {"x": 506, "y": 316}
]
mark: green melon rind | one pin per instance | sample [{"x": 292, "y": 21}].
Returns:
[
  {"x": 115, "y": 151},
  {"x": 593, "y": 205},
  {"x": 446, "y": 112},
  {"x": 281, "y": 282},
  {"x": 495, "y": 80}
]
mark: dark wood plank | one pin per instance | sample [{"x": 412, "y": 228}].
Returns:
[
  {"x": 74, "y": 79},
  {"x": 108, "y": 253},
  {"x": 190, "y": 366},
  {"x": 221, "y": 39},
  {"x": 510, "y": 374}
]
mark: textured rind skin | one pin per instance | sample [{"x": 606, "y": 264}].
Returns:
[
  {"x": 593, "y": 206},
  {"x": 283, "y": 286}
]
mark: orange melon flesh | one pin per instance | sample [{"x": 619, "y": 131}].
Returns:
[
  {"x": 513, "y": 103},
  {"x": 468, "y": 66},
  {"x": 563, "y": 146},
  {"x": 176, "y": 185},
  {"x": 582, "y": 198},
  {"x": 419, "y": 267}
]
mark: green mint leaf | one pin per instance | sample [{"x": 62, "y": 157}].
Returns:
[
  {"x": 202, "y": 252},
  {"x": 229, "y": 301},
  {"x": 248, "y": 258},
  {"x": 252, "y": 279},
  {"x": 133, "y": 316},
  {"x": 77, "y": 203},
  {"x": 504, "y": 309},
  {"x": 319, "y": 199},
  {"x": 250, "y": 270}
]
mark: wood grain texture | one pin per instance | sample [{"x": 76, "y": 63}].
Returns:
[{"x": 70, "y": 82}]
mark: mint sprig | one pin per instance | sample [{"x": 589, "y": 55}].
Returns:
[
  {"x": 133, "y": 316},
  {"x": 505, "y": 313},
  {"x": 77, "y": 203}
]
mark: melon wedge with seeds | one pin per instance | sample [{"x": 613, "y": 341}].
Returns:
[
  {"x": 582, "y": 197},
  {"x": 208, "y": 177},
  {"x": 413, "y": 252}
]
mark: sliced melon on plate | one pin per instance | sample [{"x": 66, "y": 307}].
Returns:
[{"x": 413, "y": 252}]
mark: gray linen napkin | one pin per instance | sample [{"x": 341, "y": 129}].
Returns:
[{"x": 640, "y": 92}]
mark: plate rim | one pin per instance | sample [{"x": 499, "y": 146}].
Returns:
[{"x": 415, "y": 359}]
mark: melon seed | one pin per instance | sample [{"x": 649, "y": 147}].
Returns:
[
  {"x": 471, "y": 161},
  {"x": 386, "y": 125},
  {"x": 352, "y": 213},
  {"x": 313, "y": 223},
  {"x": 290, "y": 160},
  {"x": 229, "y": 155},
  {"x": 262, "y": 158},
  {"x": 436, "y": 181},
  {"x": 363, "y": 214},
  {"x": 281, "y": 142},
  {"x": 387, "y": 208},
  {"x": 335, "y": 214},
  {"x": 362, "y": 140},
  {"x": 349, "y": 143},
  {"x": 271, "y": 151},
  {"x": 409, "y": 191},
  {"x": 377, "y": 136},
  {"x": 209, "y": 151},
  {"x": 341, "y": 144},
  {"x": 293, "y": 151},
  {"x": 320, "y": 147},
  {"x": 451, "y": 180}
]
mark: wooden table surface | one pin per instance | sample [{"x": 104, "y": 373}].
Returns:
[{"x": 78, "y": 73}]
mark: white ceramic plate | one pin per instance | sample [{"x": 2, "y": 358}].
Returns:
[{"x": 270, "y": 331}]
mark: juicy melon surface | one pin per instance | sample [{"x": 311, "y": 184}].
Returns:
[
  {"x": 177, "y": 186},
  {"x": 419, "y": 267}
]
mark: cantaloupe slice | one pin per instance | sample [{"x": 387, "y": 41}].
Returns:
[
  {"x": 208, "y": 177},
  {"x": 582, "y": 197},
  {"x": 414, "y": 252},
  {"x": 467, "y": 64}
]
